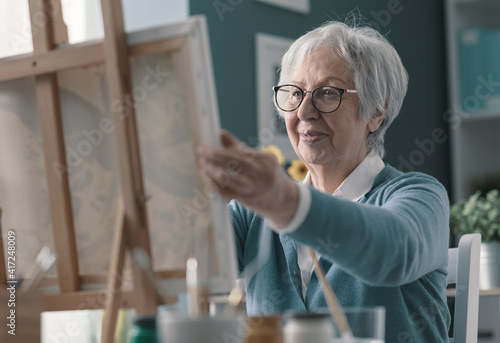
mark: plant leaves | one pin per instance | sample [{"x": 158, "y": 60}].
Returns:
[{"x": 477, "y": 215}]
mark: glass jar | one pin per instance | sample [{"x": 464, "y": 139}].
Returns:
[{"x": 308, "y": 327}]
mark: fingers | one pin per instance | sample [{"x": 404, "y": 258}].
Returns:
[
  {"x": 230, "y": 141},
  {"x": 234, "y": 161},
  {"x": 227, "y": 184},
  {"x": 225, "y": 167}
]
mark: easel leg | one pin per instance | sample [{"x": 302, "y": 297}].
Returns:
[
  {"x": 115, "y": 277},
  {"x": 51, "y": 125},
  {"x": 118, "y": 75}
]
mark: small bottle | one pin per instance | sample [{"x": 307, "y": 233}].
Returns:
[
  {"x": 264, "y": 330},
  {"x": 144, "y": 329},
  {"x": 309, "y": 327}
]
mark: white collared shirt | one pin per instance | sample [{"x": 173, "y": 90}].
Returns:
[{"x": 352, "y": 188}]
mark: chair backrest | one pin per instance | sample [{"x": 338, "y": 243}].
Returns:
[{"x": 463, "y": 270}]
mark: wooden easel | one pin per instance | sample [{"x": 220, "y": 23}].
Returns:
[{"x": 51, "y": 55}]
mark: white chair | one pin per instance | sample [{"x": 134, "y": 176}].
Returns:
[{"x": 463, "y": 270}]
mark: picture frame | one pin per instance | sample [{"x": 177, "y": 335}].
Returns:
[
  {"x": 302, "y": 6},
  {"x": 271, "y": 128}
]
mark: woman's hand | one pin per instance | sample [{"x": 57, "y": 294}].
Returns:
[{"x": 254, "y": 178}]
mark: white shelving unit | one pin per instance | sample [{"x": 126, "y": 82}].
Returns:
[{"x": 474, "y": 136}]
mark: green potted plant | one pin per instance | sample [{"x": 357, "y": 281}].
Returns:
[{"x": 481, "y": 214}]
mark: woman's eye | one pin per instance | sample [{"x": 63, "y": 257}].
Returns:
[{"x": 328, "y": 93}]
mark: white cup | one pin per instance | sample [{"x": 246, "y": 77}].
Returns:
[{"x": 180, "y": 329}]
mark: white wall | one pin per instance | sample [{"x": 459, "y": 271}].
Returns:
[
  {"x": 84, "y": 20},
  {"x": 15, "y": 29},
  {"x": 140, "y": 14}
]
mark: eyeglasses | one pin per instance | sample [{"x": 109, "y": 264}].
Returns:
[{"x": 325, "y": 99}]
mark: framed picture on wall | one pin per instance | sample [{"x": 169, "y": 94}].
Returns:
[
  {"x": 302, "y": 6},
  {"x": 270, "y": 50}
]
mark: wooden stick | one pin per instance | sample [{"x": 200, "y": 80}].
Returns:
[
  {"x": 331, "y": 299},
  {"x": 68, "y": 57},
  {"x": 91, "y": 300},
  {"x": 3, "y": 269},
  {"x": 161, "y": 46},
  {"x": 101, "y": 279},
  {"x": 44, "y": 261},
  {"x": 47, "y": 92},
  {"x": 119, "y": 79},
  {"x": 75, "y": 56},
  {"x": 115, "y": 276},
  {"x": 58, "y": 26}
]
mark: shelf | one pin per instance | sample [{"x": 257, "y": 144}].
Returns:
[
  {"x": 450, "y": 292},
  {"x": 474, "y": 135},
  {"x": 483, "y": 115},
  {"x": 478, "y": 4}
]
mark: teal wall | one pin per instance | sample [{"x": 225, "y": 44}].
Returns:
[{"x": 417, "y": 140}]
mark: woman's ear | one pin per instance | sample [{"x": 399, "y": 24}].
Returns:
[{"x": 375, "y": 121}]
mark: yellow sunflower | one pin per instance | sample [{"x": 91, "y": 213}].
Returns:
[
  {"x": 297, "y": 170},
  {"x": 273, "y": 149}
]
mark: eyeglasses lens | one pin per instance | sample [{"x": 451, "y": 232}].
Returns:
[{"x": 325, "y": 99}]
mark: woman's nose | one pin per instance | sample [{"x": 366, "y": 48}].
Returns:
[{"x": 306, "y": 109}]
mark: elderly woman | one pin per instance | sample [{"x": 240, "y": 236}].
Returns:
[{"x": 381, "y": 235}]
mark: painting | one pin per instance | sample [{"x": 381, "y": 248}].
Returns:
[{"x": 270, "y": 50}]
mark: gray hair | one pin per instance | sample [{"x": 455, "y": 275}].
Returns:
[{"x": 378, "y": 73}]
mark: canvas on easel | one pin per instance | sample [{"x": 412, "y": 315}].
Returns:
[{"x": 171, "y": 99}]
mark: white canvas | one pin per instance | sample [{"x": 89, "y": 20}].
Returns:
[{"x": 176, "y": 110}]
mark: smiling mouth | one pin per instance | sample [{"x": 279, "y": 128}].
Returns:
[{"x": 311, "y": 136}]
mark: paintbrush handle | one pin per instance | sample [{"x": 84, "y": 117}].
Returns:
[{"x": 331, "y": 299}]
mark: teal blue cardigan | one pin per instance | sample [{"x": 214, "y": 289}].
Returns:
[{"x": 389, "y": 249}]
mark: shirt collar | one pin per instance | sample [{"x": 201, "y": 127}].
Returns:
[{"x": 360, "y": 180}]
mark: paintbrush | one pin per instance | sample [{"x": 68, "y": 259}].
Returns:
[{"x": 332, "y": 301}]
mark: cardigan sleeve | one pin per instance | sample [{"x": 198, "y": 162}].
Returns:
[{"x": 397, "y": 233}]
